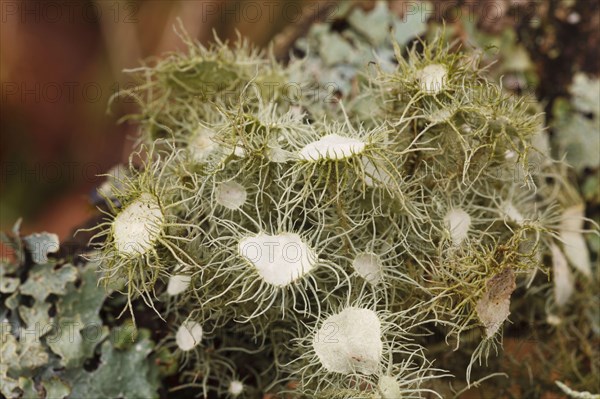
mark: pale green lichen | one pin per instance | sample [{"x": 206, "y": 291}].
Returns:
[{"x": 334, "y": 237}]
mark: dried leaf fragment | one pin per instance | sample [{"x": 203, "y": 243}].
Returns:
[{"x": 494, "y": 307}]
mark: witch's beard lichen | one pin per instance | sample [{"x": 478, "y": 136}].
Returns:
[
  {"x": 138, "y": 226},
  {"x": 350, "y": 342},
  {"x": 389, "y": 388},
  {"x": 332, "y": 147},
  {"x": 433, "y": 78},
  {"x": 189, "y": 335},
  {"x": 279, "y": 259},
  {"x": 458, "y": 223},
  {"x": 235, "y": 388},
  {"x": 368, "y": 265},
  {"x": 202, "y": 145},
  {"x": 178, "y": 284},
  {"x": 231, "y": 195}
]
